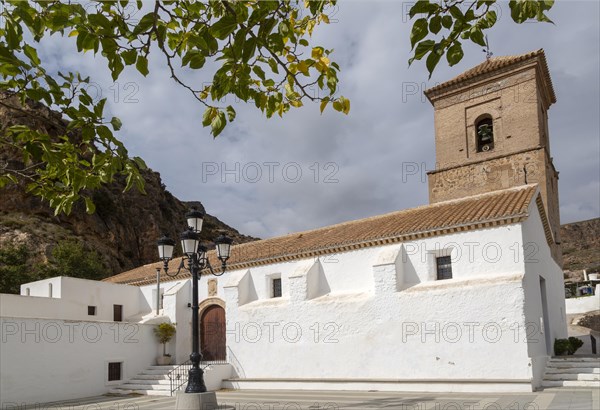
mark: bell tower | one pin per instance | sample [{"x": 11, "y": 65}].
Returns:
[{"x": 491, "y": 133}]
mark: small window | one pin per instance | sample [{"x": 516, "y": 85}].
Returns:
[
  {"x": 118, "y": 313},
  {"x": 114, "y": 371},
  {"x": 276, "y": 287},
  {"x": 484, "y": 130},
  {"x": 444, "y": 267},
  {"x": 91, "y": 310}
]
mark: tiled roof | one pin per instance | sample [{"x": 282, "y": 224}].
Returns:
[
  {"x": 497, "y": 63},
  {"x": 490, "y": 209}
]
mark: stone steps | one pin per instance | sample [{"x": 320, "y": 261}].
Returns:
[
  {"x": 572, "y": 372},
  {"x": 153, "y": 381}
]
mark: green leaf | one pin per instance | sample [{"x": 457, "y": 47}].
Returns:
[
  {"x": 90, "y": 207},
  {"x": 116, "y": 123},
  {"x": 129, "y": 56},
  {"x": 224, "y": 27},
  {"x": 324, "y": 103},
  {"x": 230, "y": 113},
  {"x": 432, "y": 60},
  {"x": 456, "y": 13},
  {"x": 435, "y": 24},
  {"x": 218, "y": 123},
  {"x": 142, "y": 65},
  {"x": 141, "y": 164},
  {"x": 491, "y": 18},
  {"x": 420, "y": 7},
  {"x": 259, "y": 72},
  {"x": 208, "y": 115},
  {"x": 454, "y": 54},
  {"x": 419, "y": 31},
  {"x": 423, "y": 48},
  {"x": 195, "y": 59},
  {"x": 477, "y": 37},
  {"x": 249, "y": 49},
  {"x": 447, "y": 21},
  {"x": 31, "y": 53}
]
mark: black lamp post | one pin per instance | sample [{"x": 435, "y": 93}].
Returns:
[{"x": 197, "y": 261}]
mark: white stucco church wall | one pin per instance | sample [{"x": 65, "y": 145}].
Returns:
[{"x": 382, "y": 312}]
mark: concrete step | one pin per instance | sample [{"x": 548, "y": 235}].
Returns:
[
  {"x": 152, "y": 377},
  {"x": 136, "y": 380},
  {"x": 569, "y": 370},
  {"x": 156, "y": 371},
  {"x": 169, "y": 368},
  {"x": 575, "y": 359},
  {"x": 570, "y": 383},
  {"x": 143, "y": 392},
  {"x": 565, "y": 364},
  {"x": 572, "y": 376},
  {"x": 135, "y": 386}
]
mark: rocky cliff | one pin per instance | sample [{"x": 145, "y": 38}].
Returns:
[
  {"x": 581, "y": 247},
  {"x": 123, "y": 230}
]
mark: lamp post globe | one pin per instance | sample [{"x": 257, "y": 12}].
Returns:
[
  {"x": 223, "y": 245},
  {"x": 195, "y": 219},
  {"x": 189, "y": 242},
  {"x": 165, "y": 247}
]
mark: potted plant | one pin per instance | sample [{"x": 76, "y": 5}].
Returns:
[
  {"x": 561, "y": 347},
  {"x": 164, "y": 332},
  {"x": 574, "y": 344}
]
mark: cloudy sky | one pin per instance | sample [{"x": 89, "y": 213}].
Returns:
[{"x": 271, "y": 177}]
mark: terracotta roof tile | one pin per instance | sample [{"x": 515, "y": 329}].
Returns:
[
  {"x": 497, "y": 63},
  {"x": 494, "y": 208}
]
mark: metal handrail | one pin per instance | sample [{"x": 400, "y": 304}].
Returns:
[{"x": 179, "y": 375}]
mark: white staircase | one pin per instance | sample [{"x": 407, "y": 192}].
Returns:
[
  {"x": 572, "y": 371},
  {"x": 153, "y": 381}
]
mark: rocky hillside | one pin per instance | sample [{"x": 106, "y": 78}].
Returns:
[
  {"x": 123, "y": 231},
  {"x": 581, "y": 247}
]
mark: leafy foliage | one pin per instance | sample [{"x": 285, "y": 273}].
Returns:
[
  {"x": 568, "y": 346},
  {"x": 14, "y": 269},
  {"x": 262, "y": 51},
  {"x": 456, "y": 20},
  {"x": 164, "y": 332},
  {"x": 70, "y": 258}
]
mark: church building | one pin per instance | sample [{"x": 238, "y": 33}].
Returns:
[{"x": 464, "y": 294}]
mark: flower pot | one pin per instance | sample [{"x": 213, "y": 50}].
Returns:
[{"x": 163, "y": 360}]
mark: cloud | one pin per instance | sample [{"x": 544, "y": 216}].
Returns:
[{"x": 358, "y": 165}]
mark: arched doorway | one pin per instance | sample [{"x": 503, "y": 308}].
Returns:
[{"x": 212, "y": 333}]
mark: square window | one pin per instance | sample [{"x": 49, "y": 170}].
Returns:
[
  {"x": 444, "y": 267},
  {"x": 276, "y": 287},
  {"x": 114, "y": 371},
  {"x": 91, "y": 310}
]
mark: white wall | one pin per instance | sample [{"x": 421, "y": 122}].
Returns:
[
  {"x": 583, "y": 304},
  {"x": 47, "y": 360},
  {"x": 539, "y": 264},
  {"x": 41, "y": 288},
  {"x": 386, "y": 316},
  {"x": 77, "y": 294}
]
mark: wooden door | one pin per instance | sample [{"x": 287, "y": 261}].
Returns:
[
  {"x": 118, "y": 313},
  {"x": 212, "y": 334}
]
